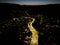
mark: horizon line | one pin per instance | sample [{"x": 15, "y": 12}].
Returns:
[{"x": 32, "y": 3}]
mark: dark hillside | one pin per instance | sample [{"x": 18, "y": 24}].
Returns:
[{"x": 12, "y": 25}]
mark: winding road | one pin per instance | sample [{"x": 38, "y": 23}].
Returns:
[{"x": 34, "y": 40}]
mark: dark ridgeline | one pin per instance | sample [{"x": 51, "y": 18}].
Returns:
[
  {"x": 8, "y": 11},
  {"x": 49, "y": 10}
]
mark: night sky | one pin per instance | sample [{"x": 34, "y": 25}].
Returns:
[{"x": 31, "y": 1}]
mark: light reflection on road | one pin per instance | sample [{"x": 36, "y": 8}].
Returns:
[{"x": 34, "y": 39}]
